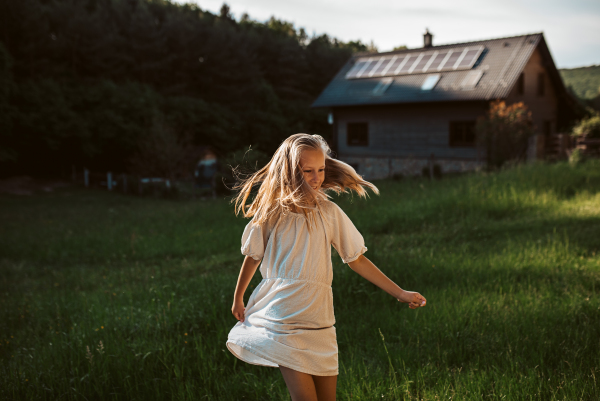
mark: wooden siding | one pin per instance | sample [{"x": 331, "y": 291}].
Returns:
[
  {"x": 409, "y": 130},
  {"x": 543, "y": 108}
]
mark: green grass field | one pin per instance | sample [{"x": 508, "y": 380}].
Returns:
[{"x": 108, "y": 297}]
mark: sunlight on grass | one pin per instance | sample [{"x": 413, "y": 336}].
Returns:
[{"x": 110, "y": 297}]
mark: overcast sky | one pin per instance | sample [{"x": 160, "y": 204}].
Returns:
[{"x": 571, "y": 27}]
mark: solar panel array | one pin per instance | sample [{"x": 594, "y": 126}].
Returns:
[{"x": 415, "y": 63}]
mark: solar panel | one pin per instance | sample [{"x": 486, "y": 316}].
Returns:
[
  {"x": 381, "y": 66},
  {"x": 462, "y": 58},
  {"x": 408, "y": 63},
  {"x": 471, "y": 56}
]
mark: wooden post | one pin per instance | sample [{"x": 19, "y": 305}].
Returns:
[
  {"x": 86, "y": 177},
  {"x": 124, "y": 183},
  {"x": 109, "y": 181}
]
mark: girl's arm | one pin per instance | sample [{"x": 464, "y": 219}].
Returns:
[
  {"x": 248, "y": 269},
  {"x": 368, "y": 270}
]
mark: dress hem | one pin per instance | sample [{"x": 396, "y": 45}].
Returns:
[{"x": 265, "y": 357}]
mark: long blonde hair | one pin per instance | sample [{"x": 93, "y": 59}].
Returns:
[{"x": 282, "y": 183}]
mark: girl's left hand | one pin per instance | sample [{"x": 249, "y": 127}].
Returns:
[
  {"x": 413, "y": 299},
  {"x": 238, "y": 310}
]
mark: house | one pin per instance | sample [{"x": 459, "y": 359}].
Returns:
[{"x": 393, "y": 112}]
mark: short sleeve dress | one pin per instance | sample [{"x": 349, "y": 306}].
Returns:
[{"x": 289, "y": 316}]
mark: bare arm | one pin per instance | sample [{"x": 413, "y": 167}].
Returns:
[
  {"x": 369, "y": 271},
  {"x": 246, "y": 273}
]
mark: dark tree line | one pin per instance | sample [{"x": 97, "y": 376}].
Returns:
[{"x": 84, "y": 82}]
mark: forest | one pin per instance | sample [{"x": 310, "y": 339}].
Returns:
[{"x": 87, "y": 83}]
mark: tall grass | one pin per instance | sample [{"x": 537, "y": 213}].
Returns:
[{"x": 111, "y": 297}]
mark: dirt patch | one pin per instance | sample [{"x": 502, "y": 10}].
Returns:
[{"x": 25, "y": 185}]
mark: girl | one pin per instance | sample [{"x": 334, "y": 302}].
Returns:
[{"x": 288, "y": 322}]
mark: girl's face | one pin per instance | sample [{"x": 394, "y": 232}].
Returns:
[{"x": 312, "y": 164}]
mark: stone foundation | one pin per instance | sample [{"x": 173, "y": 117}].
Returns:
[{"x": 376, "y": 168}]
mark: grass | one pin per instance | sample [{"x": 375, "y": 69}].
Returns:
[{"x": 104, "y": 296}]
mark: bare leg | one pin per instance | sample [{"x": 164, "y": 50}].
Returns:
[
  {"x": 300, "y": 385},
  {"x": 305, "y": 387},
  {"x": 325, "y": 386}
]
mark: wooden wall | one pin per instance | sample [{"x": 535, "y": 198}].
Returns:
[
  {"x": 408, "y": 131},
  {"x": 543, "y": 108}
]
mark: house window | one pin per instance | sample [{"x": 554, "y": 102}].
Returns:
[
  {"x": 462, "y": 134},
  {"x": 521, "y": 84},
  {"x": 541, "y": 87},
  {"x": 358, "y": 134}
]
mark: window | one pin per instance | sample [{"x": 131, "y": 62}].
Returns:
[
  {"x": 382, "y": 86},
  {"x": 521, "y": 84},
  {"x": 462, "y": 134},
  {"x": 430, "y": 82},
  {"x": 541, "y": 87},
  {"x": 357, "y": 134}
]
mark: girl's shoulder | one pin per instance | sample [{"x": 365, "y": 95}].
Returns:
[{"x": 330, "y": 207}]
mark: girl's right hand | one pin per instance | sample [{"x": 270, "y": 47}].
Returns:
[
  {"x": 413, "y": 299},
  {"x": 238, "y": 310}
]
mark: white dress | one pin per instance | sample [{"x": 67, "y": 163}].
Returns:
[{"x": 289, "y": 316}]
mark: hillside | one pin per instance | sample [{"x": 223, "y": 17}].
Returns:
[{"x": 585, "y": 81}]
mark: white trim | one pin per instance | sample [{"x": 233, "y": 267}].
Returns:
[
  {"x": 402, "y": 64},
  {"x": 443, "y": 63},
  {"x": 433, "y": 56},
  {"x": 376, "y": 66},
  {"x": 460, "y": 58},
  {"x": 385, "y": 70}
]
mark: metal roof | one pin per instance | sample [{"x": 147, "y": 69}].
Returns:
[{"x": 500, "y": 63}]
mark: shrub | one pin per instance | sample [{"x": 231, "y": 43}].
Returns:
[
  {"x": 588, "y": 127},
  {"x": 504, "y": 132},
  {"x": 576, "y": 157}
]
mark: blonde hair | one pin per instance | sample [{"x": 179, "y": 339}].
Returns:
[{"x": 282, "y": 185}]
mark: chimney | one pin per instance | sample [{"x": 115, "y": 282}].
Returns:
[{"x": 427, "y": 38}]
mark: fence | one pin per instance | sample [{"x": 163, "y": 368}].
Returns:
[{"x": 143, "y": 186}]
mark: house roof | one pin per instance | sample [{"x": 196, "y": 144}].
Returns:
[{"x": 496, "y": 68}]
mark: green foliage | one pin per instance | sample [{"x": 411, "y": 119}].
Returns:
[
  {"x": 588, "y": 127},
  {"x": 504, "y": 133},
  {"x": 585, "y": 81},
  {"x": 90, "y": 77},
  {"x": 509, "y": 263},
  {"x": 576, "y": 157}
]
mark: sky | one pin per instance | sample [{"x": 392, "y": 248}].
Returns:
[{"x": 571, "y": 27}]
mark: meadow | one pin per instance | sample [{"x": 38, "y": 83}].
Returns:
[{"x": 109, "y": 297}]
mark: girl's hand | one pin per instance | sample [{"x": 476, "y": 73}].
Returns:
[
  {"x": 238, "y": 310},
  {"x": 413, "y": 299}
]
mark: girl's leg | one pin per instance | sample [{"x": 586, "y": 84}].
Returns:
[
  {"x": 305, "y": 387},
  {"x": 300, "y": 385},
  {"x": 325, "y": 386}
]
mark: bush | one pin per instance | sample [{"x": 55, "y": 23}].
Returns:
[
  {"x": 504, "y": 133},
  {"x": 588, "y": 127},
  {"x": 576, "y": 157}
]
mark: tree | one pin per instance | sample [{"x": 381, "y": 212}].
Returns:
[
  {"x": 163, "y": 153},
  {"x": 504, "y": 133}
]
